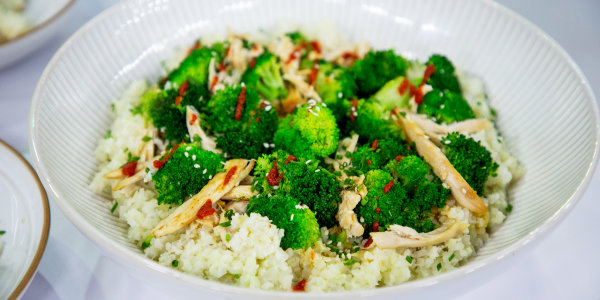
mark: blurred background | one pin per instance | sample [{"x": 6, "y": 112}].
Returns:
[{"x": 564, "y": 265}]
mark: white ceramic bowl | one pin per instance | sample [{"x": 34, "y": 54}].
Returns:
[
  {"x": 547, "y": 112},
  {"x": 45, "y": 17},
  {"x": 25, "y": 217}
]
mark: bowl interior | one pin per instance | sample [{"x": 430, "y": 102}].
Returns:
[{"x": 547, "y": 113}]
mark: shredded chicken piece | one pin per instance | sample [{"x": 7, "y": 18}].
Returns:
[
  {"x": 118, "y": 173},
  {"x": 283, "y": 48},
  {"x": 464, "y": 194},
  {"x": 405, "y": 237},
  {"x": 436, "y": 131},
  {"x": 242, "y": 192},
  {"x": 237, "y": 206},
  {"x": 291, "y": 101},
  {"x": 237, "y": 55},
  {"x": 207, "y": 143},
  {"x": 346, "y": 216},
  {"x": 148, "y": 147},
  {"x": 213, "y": 190},
  {"x": 306, "y": 90},
  {"x": 125, "y": 181}
]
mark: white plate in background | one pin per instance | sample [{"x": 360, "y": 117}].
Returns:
[{"x": 25, "y": 217}]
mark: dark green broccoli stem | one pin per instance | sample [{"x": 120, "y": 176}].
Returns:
[{"x": 298, "y": 222}]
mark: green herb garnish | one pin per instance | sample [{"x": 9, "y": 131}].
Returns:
[
  {"x": 225, "y": 224},
  {"x": 146, "y": 139},
  {"x": 146, "y": 243},
  {"x": 175, "y": 263},
  {"x": 350, "y": 262},
  {"x": 409, "y": 259},
  {"x": 451, "y": 257},
  {"x": 509, "y": 208},
  {"x": 114, "y": 207},
  {"x": 439, "y": 266}
]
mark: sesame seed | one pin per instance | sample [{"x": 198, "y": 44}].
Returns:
[
  {"x": 188, "y": 148},
  {"x": 194, "y": 157},
  {"x": 243, "y": 84},
  {"x": 197, "y": 166},
  {"x": 266, "y": 145},
  {"x": 317, "y": 108},
  {"x": 464, "y": 191},
  {"x": 317, "y": 170},
  {"x": 272, "y": 145},
  {"x": 323, "y": 104},
  {"x": 210, "y": 177},
  {"x": 186, "y": 154},
  {"x": 447, "y": 142},
  {"x": 340, "y": 95},
  {"x": 308, "y": 161},
  {"x": 204, "y": 172},
  {"x": 276, "y": 187},
  {"x": 268, "y": 108},
  {"x": 362, "y": 220},
  {"x": 292, "y": 217},
  {"x": 223, "y": 163}
]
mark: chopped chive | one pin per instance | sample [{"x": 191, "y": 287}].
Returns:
[
  {"x": 229, "y": 213},
  {"x": 439, "y": 266},
  {"x": 509, "y": 208},
  {"x": 356, "y": 249},
  {"x": 228, "y": 237},
  {"x": 236, "y": 276},
  {"x": 175, "y": 263},
  {"x": 146, "y": 139},
  {"x": 225, "y": 224},
  {"x": 451, "y": 257},
  {"x": 108, "y": 135},
  {"x": 112, "y": 107},
  {"x": 350, "y": 262},
  {"x": 114, "y": 207},
  {"x": 146, "y": 243},
  {"x": 2, "y": 232},
  {"x": 409, "y": 259}
]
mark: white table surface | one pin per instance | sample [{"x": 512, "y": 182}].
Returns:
[{"x": 564, "y": 265}]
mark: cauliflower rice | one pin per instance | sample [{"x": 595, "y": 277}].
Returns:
[{"x": 248, "y": 254}]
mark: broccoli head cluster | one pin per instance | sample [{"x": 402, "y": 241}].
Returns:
[
  {"x": 243, "y": 123},
  {"x": 300, "y": 227},
  {"x": 445, "y": 107},
  {"x": 336, "y": 87},
  {"x": 185, "y": 173},
  {"x": 310, "y": 132},
  {"x": 371, "y": 121},
  {"x": 375, "y": 69},
  {"x": 379, "y": 153},
  {"x": 264, "y": 76},
  {"x": 471, "y": 159},
  {"x": 305, "y": 180},
  {"x": 443, "y": 78}
]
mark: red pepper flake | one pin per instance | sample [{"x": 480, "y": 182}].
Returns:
[
  {"x": 349, "y": 55},
  {"x": 196, "y": 45},
  {"x": 182, "y": 89},
  {"x": 399, "y": 157},
  {"x": 274, "y": 176},
  {"x": 293, "y": 55},
  {"x": 194, "y": 118},
  {"x": 418, "y": 96},
  {"x": 221, "y": 66},
  {"x": 388, "y": 186},
  {"x": 163, "y": 81},
  {"x": 252, "y": 63},
  {"x": 428, "y": 72},
  {"x": 377, "y": 210},
  {"x": 255, "y": 47},
  {"x": 353, "y": 112},
  {"x": 376, "y": 226},
  {"x": 314, "y": 72},
  {"x": 300, "y": 287},
  {"x": 403, "y": 86},
  {"x": 316, "y": 46},
  {"x": 368, "y": 243},
  {"x": 368, "y": 162},
  {"x": 214, "y": 82},
  {"x": 290, "y": 158},
  {"x": 229, "y": 175},
  {"x": 159, "y": 163},
  {"x": 206, "y": 210},
  {"x": 374, "y": 145},
  {"x": 240, "y": 104},
  {"x": 178, "y": 100},
  {"x": 262, "y": 105},
  {"x": 129, "y": 168}
]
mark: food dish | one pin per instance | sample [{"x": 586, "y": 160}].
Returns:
[
  {"x": 340, "y": 167},
  {"x": 90, "y": 112},
  {"x": 25, "y": 221},
  {"x": 40, "y": 20}
]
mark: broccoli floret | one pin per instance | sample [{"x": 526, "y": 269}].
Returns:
[
  {"x": 300, "y": 227},
  {"x": 366, "y": 159},
  {"x": 246, "y": 137},
  {"x": 184, "y": 175},
  {"x": 371, "y": 121},
  {"x": 160, "y": 107},
  {"x": 304, "y": 180},
  {"x": 445, "y": 107},
  {"x": 381, "y": 206},
  {"x": 471, "y": 159},
  {"x": 335, "y": 86},
  {"x": 193, "y": 68},
  {"x": 392, "y": 148},
  {"x": 311, "y": 131},
  {"x": 375, "y": 69},
  {"x": 297, "y": 37},
  {"x": 411, "y": 171},
  {"x": 443, "y": 78},
  {"x": 265, "y": 77},
  {"x": 389, "y": 95}
]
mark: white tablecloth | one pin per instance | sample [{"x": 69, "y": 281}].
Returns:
[{"x": 564, "y": 265}]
